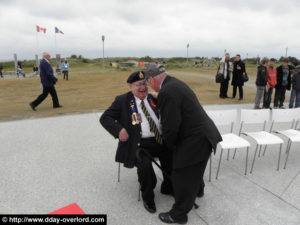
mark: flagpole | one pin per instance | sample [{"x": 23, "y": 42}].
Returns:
[
  {"x": 37, "y": 43},
  {"x": 55, "y": 42}
]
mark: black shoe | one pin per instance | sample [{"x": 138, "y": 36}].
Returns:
[
  {"x": 240, "y": 98},
  {"x": 200, "y": 194},
  {"x": 32, "y": 106},
  {"x": 150, "y": 207},
  {"x": 59, "y": 106},
  {"x": 166, "y": 218}
]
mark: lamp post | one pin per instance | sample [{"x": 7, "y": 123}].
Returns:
[
  {"x": 187, "y": 53},
  {"x": 286, "y": 51},
  {"x": 103, "y": 38}
]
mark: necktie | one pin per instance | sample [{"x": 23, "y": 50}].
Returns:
[{"x": 153, "y": 127}]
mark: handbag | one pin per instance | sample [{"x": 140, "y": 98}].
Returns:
[
  {"x": 219, "y": 76},
  {"x": 245, "y": 77}
]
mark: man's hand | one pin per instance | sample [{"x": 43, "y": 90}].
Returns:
[
  {"x": 154, "y": 94},
  {"x": 123, "y": 135}
]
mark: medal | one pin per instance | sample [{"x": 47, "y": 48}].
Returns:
[{"x": 134, "y": 118}]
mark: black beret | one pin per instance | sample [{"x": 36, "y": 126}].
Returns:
[{"x": 136, "y": 76}]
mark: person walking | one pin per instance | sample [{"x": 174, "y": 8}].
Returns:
[
  {"x": 226, "y": 70},
  {"x": 295, "y": 94},
  {"x": 283, "y": 82},
  {"x": 65, "y": 69},
  {"x": 261, "y": 82},
  {"x": 237, "y": 76},
  {"x": 48, "y": 81}
]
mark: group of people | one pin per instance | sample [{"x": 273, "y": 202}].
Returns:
[
  {"x": 284, "y": 77},
  {"x": 234, "y": 70},
  {"x": 169, "y": 124}
]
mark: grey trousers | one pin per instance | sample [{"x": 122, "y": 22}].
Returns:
[{"x": 259, "y": 95}]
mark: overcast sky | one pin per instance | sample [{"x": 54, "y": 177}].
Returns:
[{"x": 154, "y": 28}]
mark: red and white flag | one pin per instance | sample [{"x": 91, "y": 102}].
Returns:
[{"x": 40, "y": 29}]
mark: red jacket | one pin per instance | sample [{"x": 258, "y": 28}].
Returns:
[{"x": 272, "y": 77}]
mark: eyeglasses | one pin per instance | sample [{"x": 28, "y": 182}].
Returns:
[{"x": 141, "y": 84}]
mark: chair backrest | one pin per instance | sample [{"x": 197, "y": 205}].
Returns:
[
  {"x": 285, "y": 115},
  {"x": 297, "y": 112},
  {"x": 223, "y": 117},
  {"x": 252, "y": 116}
]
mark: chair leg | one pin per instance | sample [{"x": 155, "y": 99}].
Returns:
[
  {"x": 119, "y": 171},
  {"x": 279, "y": 157},
  {"x": 287, "y": 147},
  {"x": 210, "y": 162},
  {"x": 254, "y": 159},
  {"x": 265, "y": 150},
  {"x": 219, "y": 163},
  {"x": 246, "y": 167},
  {"x": 228, "y": 154},
  {"x": 234, "y": 153},
  {"x": 287, "y": 154},
  {"x": 139, "y": 197},
  {"x": 259, "y": 151}
]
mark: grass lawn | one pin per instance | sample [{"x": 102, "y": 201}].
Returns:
[{"x": 89, "y": 89}]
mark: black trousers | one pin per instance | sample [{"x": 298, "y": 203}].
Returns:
[
  {"x": 66, "y": 75},
  {"x": 267, "y": 98},
  {"x": 240, "y": 91},
  {"x": 1, "y": 75},
  {"x": 279, "y": 96},
  {"x": 224, "y": 89},
  {"x": 187, "y": 182},
  {"x": 46, "y": 91},
  {"x": 146, "y": 174}
]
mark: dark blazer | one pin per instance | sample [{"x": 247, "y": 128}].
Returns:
[
  {"x": 280, "y": 75},
  {"x": 237, "y": 78},
  {"x": 118, "y": 116},
  {"x": 185, "y": 124},
  {"x": 46, "y": 74}
]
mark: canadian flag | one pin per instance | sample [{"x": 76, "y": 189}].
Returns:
[{"x": 40, "y": 29}]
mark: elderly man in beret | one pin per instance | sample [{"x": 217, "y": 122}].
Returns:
[
  {"x": 189, "y": 133},
  {"x": 133, "y": 119}
]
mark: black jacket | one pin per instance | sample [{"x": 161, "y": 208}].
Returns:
[
  {"x": 237, "y": 78},
  {"x": 118, "y": 116},
  {"x": 261, "y": 78},
  {"x": 280, "y": 75},
  {"x": 185, "y": 124},
  {"x": 296, "y": 81}
]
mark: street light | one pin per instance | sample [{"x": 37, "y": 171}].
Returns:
[
  {"x": 286, "y": 51},
  {"x": 103, "y": 38},
  {"x": 187, "y": 52}
]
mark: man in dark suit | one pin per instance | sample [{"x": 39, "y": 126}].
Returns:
[
  {"x": 48, "y": 81},
  {"x": 133, "y": 118},
  {"x": 190, "y": 133}
]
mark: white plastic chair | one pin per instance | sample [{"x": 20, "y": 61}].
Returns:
[
  {"x": 230, "y": 140},
  {"x": 288, "y": 116},
  {"x": 262, "y": 138}
]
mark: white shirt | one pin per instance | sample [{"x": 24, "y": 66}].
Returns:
[{"x": 146, "y": 133}]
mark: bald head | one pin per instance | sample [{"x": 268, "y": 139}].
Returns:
[{"x": 46, "y": 55}]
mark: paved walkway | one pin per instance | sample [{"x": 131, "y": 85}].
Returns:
[{"x": 49, "y": 163}]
